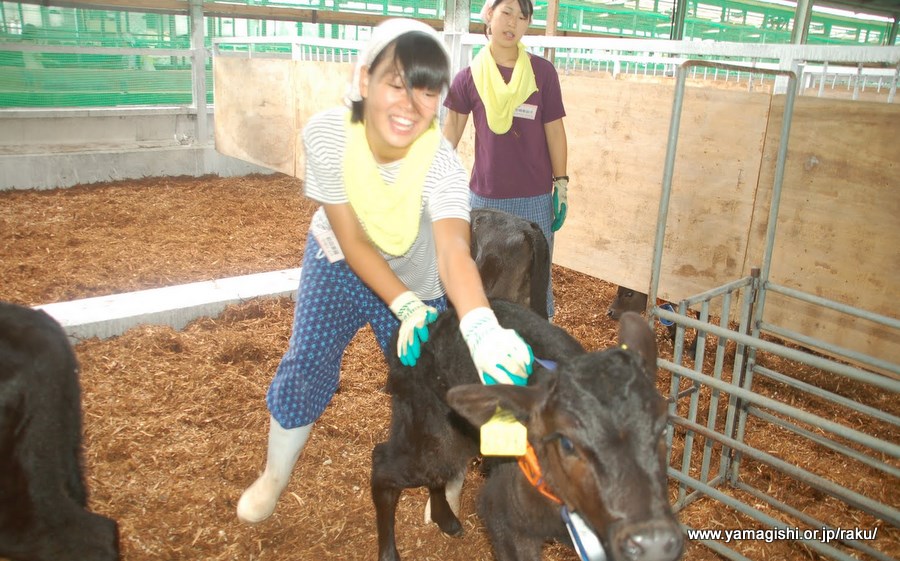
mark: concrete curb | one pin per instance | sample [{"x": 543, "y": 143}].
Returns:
[{"x": 176, "y": 306}]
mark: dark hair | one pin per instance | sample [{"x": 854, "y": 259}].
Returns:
[
  {"x": 525, "y": 5},
  {"x": 419, "y": 59}
]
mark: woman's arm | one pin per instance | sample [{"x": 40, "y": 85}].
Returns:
[
  {"x": 457, "y": 269},
  {"x": 557, "y": 146},
  {"x": 454, "y": 125},
  {"x": 499, "y": 354},
  {"x": 362, "y": 257}
]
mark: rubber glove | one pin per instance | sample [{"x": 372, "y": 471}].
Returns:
[
  {"x": 560, "y": 201},
  {"x": 414, "y": 316},
  {"x": 499, "y": 354}
]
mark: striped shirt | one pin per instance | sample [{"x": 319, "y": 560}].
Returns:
[{"x": 444, "y": 195}]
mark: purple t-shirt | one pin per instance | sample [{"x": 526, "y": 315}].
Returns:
[{"x": 517, "y": 163}]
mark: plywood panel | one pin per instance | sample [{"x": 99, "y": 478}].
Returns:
[
  {"x": 617, "y": 142},
  {"x": 838, "y": 231},
  {"x": 255, "y": 111},
  {"x": 263, "y": 104}
]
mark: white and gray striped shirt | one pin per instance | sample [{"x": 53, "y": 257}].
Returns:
[{"x": 444, "y": 195}]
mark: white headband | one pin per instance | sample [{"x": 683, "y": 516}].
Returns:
[
  {"x": 382, "y": 36},
  {"x": 484, "y": 11}
]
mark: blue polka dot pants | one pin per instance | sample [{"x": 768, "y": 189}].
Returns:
[{"x": 333, "y": 304}]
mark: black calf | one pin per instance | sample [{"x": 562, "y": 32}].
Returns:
[
  {"x": 42, "y": 491},
  {"x": 595, "y": 423},
  {"x": 513, "y": 258},
  {"x": 628, "y": 300}
]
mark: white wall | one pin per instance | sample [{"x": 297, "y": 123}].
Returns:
[{"x": 45, "y": 149}]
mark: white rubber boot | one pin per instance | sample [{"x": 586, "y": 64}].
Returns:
[{"x": 258, "y": 501}]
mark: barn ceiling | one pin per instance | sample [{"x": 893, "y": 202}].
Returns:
[
  {"x": 887, "y": 8},
  {"x": 881, "y": 7}
]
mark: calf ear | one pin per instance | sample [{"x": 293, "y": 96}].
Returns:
[
  {"x": 636, "y": 335},
  {"x": 477, "y": 403}
]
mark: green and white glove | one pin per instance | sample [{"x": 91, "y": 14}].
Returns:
[
  {"x": 499, "y": 354},
  {"x": 560, "y": 201},
  {"x": 414, "y": 316}
]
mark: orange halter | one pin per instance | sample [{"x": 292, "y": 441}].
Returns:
[{"x": 528, "y": 463}]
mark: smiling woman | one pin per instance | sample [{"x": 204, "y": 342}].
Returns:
[{"x": 389, "y": 245}]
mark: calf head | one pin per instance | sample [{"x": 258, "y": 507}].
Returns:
[
  {"x": 42, "y": 490},
  {"x": 597, "y": 429},
  {"x": 512, "y": 256},
  {"x": 627, "y": 300}
]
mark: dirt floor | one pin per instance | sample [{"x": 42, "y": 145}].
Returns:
[{"x": 175, "y": 421}]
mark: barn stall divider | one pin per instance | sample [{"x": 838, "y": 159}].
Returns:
[
  {"x": 717, "y": 456},
  {"x": 617, "y": 130}
]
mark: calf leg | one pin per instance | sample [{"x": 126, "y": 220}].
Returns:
[
  {"x": 441, "y": 512},
  {"x": 517, "y": 518},
  {"x": 453, "y": 494},
  {"x": 394, "y": 471},
  {"x": 89, "y": 537},
  {"x": 510, "y": 545},
  {"x": 69, "y": 533},
  {"x": 385, "y": 498}
]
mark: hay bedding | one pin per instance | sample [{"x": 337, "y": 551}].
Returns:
[{"x": 175, "y": 421}]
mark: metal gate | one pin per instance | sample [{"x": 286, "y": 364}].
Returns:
[{"x": 729, "y": 422}]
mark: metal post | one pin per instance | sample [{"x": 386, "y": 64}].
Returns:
[
  {"x": 787, "y": 117},
  {"x": 668, "y": 171},
  {"x": 199, "y": 57},
  {"x": 801, "y": 22},
  {"x": 892, "y": 35},
  {"x": 677, "y": 33},
  {"x": 893, "y": 89},
  {"x": 550, "y": 30},
  {"x": 456, "y": 24}
]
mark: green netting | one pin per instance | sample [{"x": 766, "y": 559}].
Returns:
[{"x": 73, "y": 57}]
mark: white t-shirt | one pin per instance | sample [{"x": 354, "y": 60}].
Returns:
[{"x": 444, "y": 195}]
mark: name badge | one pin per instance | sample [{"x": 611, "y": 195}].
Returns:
[
  {"x": 328, "y": 244},
  {"x": 526, "y": 111}
]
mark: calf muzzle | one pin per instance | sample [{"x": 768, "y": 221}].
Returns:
[{"x": 655, "y": 540}]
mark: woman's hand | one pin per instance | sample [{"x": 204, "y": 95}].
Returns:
[
  {"x": 499, "y": 354},
  {"x": 414, "y": 316}
]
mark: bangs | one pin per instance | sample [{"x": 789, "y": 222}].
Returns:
[
  {"x": 418, "y": 59},
  {"x": 525, "y": 5},
  {"x": 527, "y": 8},
  {"x": 423, "y": 62}
]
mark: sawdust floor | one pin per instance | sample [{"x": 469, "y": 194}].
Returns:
[{"x": 175, "y": 421}]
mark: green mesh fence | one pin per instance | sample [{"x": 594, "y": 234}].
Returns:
[{"x": 72, "y": 57}]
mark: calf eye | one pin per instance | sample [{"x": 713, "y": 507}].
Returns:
[{"x": 566, "y": 445}]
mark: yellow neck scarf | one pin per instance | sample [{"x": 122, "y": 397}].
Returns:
[
  {"x": 501, "y": 99},
  {"x": 390, "y": 214}
]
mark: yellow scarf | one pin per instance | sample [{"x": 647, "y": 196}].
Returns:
[
  {"x": 501, "y": 99},
  {"x": 390, "y": 214}
]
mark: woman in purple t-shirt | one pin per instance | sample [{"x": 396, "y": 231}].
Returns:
[{"x": 517, "y": 109}]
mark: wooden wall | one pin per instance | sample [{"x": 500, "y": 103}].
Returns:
[
  {"x": 262, "y": 105},
  {"x": 838, "y": 228},
  {"x": 617, "y": 134},
  {"x": 838, "y": 231}
]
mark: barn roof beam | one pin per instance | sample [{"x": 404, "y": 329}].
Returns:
[{"x": 280, "y": 13}]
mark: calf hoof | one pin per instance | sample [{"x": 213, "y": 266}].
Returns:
[
  {"x": 451, "y": 527},
  {"x": 443, "y": 514}
]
